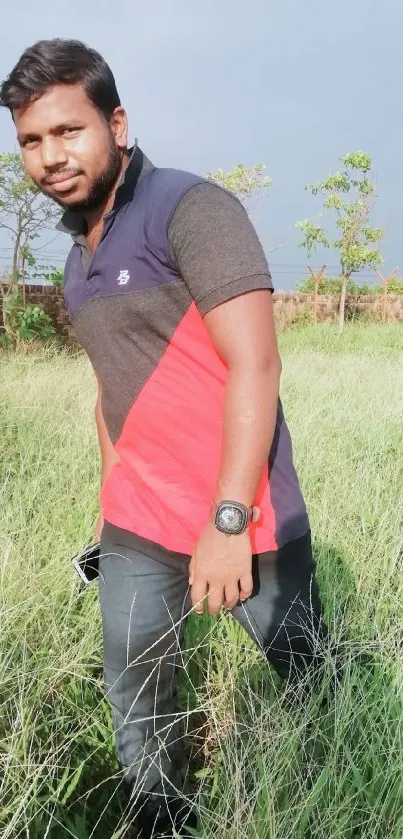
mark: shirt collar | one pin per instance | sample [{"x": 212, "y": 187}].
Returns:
[{"x": 136, "y": 169}]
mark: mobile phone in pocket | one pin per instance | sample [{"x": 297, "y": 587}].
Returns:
[{"x": 86, "y": 563}]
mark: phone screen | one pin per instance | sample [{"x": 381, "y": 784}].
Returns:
[{"x": 86, "y": 563}]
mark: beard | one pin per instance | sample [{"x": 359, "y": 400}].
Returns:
[{"x": 101, "y": 186}]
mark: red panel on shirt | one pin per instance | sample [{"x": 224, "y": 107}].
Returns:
[{"x": 170, "y": 449}]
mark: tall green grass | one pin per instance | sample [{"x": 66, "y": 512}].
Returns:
[{"x": 271, "y": 764}]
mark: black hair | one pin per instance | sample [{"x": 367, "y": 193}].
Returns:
[{"x": 57, "y": 62}]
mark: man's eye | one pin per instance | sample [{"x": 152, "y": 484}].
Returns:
[{"x": 70, "y": 130}]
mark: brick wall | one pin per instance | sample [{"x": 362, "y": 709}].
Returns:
[{"x": 288, "y": 308}]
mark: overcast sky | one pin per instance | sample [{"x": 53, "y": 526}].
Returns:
[{"x": 213, "y": 83}]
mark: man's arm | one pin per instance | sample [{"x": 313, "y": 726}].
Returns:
[
  {"x": 108, "y": 454},
  {"x": 221, "y": 260},
  {"x": 243, "y": 333}
]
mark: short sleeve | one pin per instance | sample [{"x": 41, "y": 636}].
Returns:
[{"x": 215, "y": 248}]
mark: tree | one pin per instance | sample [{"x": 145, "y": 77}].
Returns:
[
  {"x": 350, "y": 194},
  {"x": 24, "y": 213},
  {"x": 247, "y": 183}
]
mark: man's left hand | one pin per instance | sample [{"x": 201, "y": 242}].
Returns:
[{"x": 220, "y": 569}]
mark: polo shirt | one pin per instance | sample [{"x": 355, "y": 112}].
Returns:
[{"x": 173, "y": 247}]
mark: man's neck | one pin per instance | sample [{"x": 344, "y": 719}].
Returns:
[{"x": 94, "y": 218}]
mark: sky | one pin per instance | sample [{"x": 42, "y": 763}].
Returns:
[{"x": 294, "y": 85}]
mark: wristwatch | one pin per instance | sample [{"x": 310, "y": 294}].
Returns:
[{"x": 232, "y": 518}]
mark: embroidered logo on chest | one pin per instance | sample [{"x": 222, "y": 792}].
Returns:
[{"x": 124, "y": 277}]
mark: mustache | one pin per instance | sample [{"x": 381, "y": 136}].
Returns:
[{"x": 52, "y": 177}]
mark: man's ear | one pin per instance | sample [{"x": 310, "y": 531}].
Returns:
[{"x": 119, "y": 127}]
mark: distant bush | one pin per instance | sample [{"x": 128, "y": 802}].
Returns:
[
  {"x": 332, "y": 285},
  {"x": 395, "y": 286}
]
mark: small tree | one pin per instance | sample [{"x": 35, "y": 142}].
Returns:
[
  {"x": 351, "y": 195},
  {"x": 24, "y": 213},
  {"x": 249, "y": 184}
]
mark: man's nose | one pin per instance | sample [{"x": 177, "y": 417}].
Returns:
[{"x": 53, "y": 153}]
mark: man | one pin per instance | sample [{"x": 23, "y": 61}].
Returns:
[{"x": 169, "y": 293}]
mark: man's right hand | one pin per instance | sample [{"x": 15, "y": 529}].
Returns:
[{"x": 98, "y": 527}]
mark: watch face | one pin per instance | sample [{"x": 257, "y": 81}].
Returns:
[{"x": 230, "y": 518}]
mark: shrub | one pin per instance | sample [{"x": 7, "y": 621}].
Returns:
[
  {"x": 24, "y": 323},
  {"x": 332, "y": 285}
]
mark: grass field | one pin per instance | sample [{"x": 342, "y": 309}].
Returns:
[{"x": 271, "y": 766}]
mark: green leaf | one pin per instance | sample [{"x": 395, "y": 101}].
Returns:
[
  {"x": 207, "y": 772},
  {"x": 312, "y": 800},
  {"x": 121, "y": 832},
  {"x": 73, "y": 783}
]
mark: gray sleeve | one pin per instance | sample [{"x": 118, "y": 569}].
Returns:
[{"x": 215, "y": 247}]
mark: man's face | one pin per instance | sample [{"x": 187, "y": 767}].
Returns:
[{"x": 69, "y": 149}]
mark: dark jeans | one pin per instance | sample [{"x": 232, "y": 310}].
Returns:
[{"x": 143, "y": 602}]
